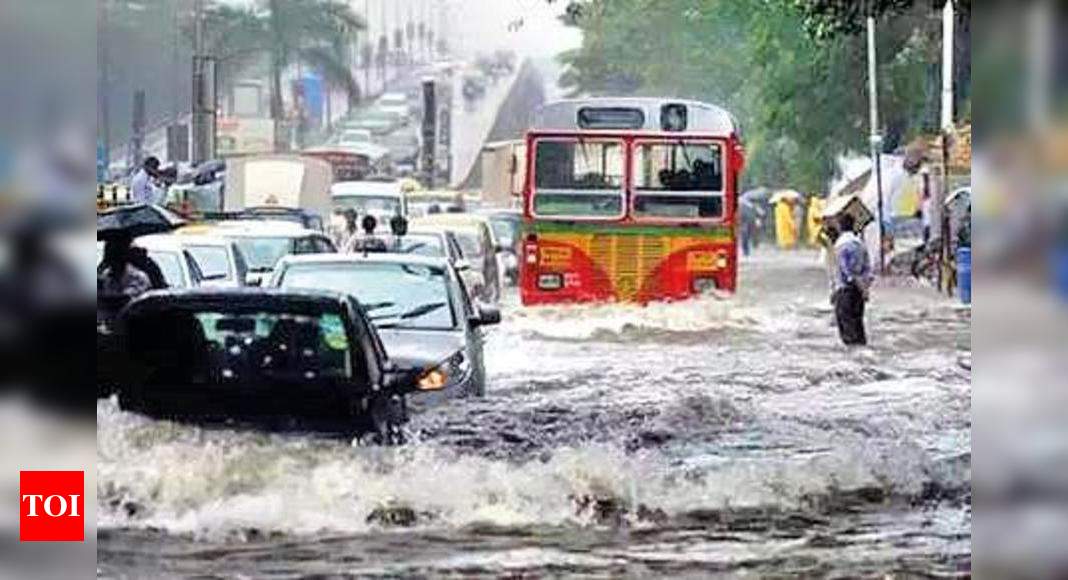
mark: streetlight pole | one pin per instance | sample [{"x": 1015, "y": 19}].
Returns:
[
  {"x": 875, "y": 138},
  {"x": 948, "y": 22},
  {"x": 104, "y": 82}
]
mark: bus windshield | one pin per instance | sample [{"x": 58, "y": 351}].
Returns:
[
  {"x": 678, "y": 180},
  {"x": 581, "y": 178}
]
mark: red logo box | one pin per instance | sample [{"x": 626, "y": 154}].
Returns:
[{"x": 51, "y": 506}]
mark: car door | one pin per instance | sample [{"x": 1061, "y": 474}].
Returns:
[
  {"x": 471, "y": 278},
  {"x": 196, "y": 277},
  {"x": 493, "y": 277},
  {"x": 474, "y": 337}
]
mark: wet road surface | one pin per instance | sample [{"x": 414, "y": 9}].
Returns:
[{"x": 716, "y": 436}]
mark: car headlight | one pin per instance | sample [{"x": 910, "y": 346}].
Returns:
[{"x": 452, "y": 371}]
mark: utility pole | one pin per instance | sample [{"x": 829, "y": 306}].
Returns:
[
  {"x": 203, "y": 108},
  {"x": 369, "y": 41},
  {"x": 875, "y": 138},
  {"x": 104, "y": 81},
  {"x": 948, "y": 22}
]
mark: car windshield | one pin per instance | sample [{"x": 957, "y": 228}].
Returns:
[
  {"x": 394, "y": 295},
  {"x": 223, "y": 347},
  {"x": 420, "y": 245},
  {"x": 263, "y": 253},
  {"x": 364, "y": 204},
  {"x": 214, "y": 261},
  {"x": 471, "y": 245},
  {"x": 170, "y": 263},
  {"x": 579, "y": 178},
  {"x": 505, "y": 229},
  {"x": 355, "y": 137}
]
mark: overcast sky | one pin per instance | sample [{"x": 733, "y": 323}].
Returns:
[{"x": 480, "y": 25}]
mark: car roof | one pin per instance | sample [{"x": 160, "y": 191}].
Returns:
[
  {"x": 368, "y": 188},
  {"x": 368, "y": 258},
  {"x": 236, "y": 299},
  {"x": 204, "y": 240},
  {"x": 451, "y": 219},
  {"x": 159, "y": 243},
  {"x": 264, "y": 229}
]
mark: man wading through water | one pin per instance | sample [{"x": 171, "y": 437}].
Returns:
[{"x": 852, "y": 279}]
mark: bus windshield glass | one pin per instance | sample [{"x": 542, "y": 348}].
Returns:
[
  {"x": 678, "y": 180},
  {"x": 581, "y": 178}
]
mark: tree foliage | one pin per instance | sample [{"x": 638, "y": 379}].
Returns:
[{"x": 801, "y": 98}]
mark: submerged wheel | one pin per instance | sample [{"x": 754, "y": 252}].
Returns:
[{"x": 387, "y": 419}]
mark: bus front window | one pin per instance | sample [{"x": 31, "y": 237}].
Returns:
[
  {"x": 578, "y": 178},
  {"x": 678, "y": 180}
]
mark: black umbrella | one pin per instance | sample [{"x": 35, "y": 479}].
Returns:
[{"x": 131, "y": 221}]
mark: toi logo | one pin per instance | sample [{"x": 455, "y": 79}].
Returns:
[{"x": 51, "y": 506}]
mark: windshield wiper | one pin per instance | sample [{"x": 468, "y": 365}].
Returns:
[
  {"x": 416, "y": 312},
  {"x": 412, "y": 248},
  {"x": 377, "y": 306}
]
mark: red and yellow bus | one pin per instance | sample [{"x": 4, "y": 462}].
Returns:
[{"x": 629, "y": 200}]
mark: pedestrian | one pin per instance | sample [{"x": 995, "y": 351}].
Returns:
[
  {"x": 852, "y": 280},
  {"x": 785, "y": 226},
  {"x": 799, "y": 220},
  {"x": 812, "y": 221},
  {"x": 117, "y": 276},
  {"x": 142, "y": 186},
  {"x": 747, "y": 226}
]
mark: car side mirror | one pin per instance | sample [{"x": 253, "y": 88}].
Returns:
[{"x": 487, "y": 315}]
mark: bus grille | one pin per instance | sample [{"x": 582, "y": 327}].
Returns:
[{"x": 628, "y": 260}]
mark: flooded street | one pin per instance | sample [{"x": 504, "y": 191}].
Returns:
[{"x": 732, "y": 436}]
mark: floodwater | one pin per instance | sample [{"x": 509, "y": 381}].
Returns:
[{"x": 710, "y": 437}]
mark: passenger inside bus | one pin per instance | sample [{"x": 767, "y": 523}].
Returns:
[{"x": 664, "y": 171}]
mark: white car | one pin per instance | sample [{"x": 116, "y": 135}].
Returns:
[
  {"x": 220, "y": 259},
  {"x": 478, "y": 245},
  {"x": 395, "y": 103},
  {"x": 381, "y": 199},
  {"x": 179, "y": 268},
  {"x": 355, "y": 137},
  {"x": 264, "y": 242}
]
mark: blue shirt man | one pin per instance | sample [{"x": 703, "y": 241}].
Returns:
[{"x": 851, "y": 279}]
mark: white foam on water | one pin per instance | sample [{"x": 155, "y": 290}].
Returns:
[{"x": 209, "y": 484}]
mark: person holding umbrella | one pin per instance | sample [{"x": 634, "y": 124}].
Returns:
[{"x": 127, "y": 272}]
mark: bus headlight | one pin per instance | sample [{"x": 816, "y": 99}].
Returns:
[{"x": 550, "y": 281}]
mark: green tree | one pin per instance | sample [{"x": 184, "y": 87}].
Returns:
[{"x": 801, "y": 98}]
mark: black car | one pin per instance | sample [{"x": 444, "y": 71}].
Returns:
[
  {"x": 419, "y": 305},
  {"x": 283, "y": 358}
]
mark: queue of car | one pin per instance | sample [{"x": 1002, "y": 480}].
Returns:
[
  {"x": 271, "y": 321},
  {"x": 326, "y": 291}
]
